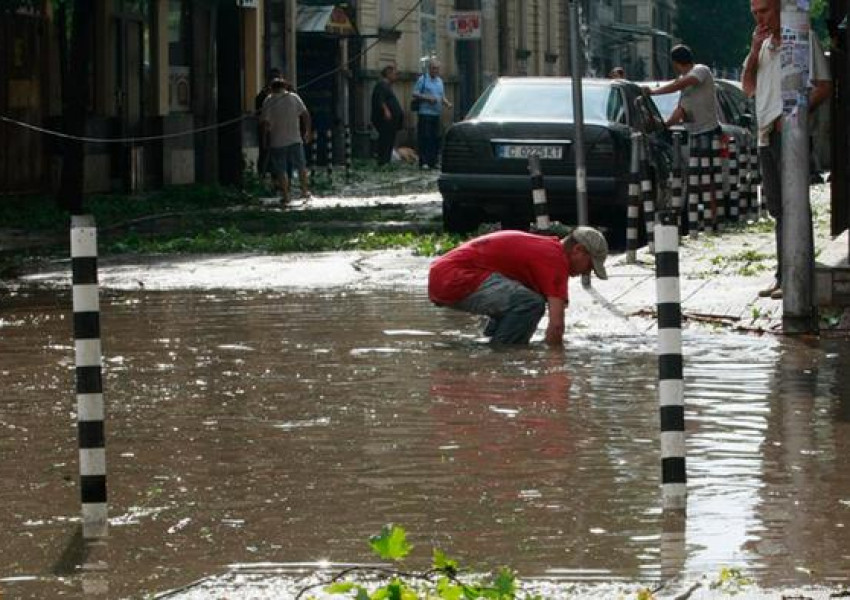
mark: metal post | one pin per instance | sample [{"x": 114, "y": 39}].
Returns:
[
  {"x": 799, "y": 314},
  {"x": 671, "y": 389},
  {"x": 578, "y": 116},
  {"x": 538, "y": 194},
  {"x": 633, "y": 215},
  {"x": 88, "y": 357}
]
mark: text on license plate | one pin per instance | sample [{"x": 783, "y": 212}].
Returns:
[{"x": 526, "y": 150}]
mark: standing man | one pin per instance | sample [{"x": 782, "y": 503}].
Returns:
[
  {"x": 762, "y": 78},
  {"x": 263, "y": 154},
  {"x": 697, "y": 109},
  {"x": 387, "y": 115},
  {"x": 512, "y": 276},
  {"x": 431, "y": 95},
  {"x": 284, "y": 117}
]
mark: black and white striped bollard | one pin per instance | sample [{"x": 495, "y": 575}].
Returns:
[
  {"x": 756, "y": 210},
  {"x": 705, "y": 213},
  {"x": 538, "y": 194},
  {"x": 670, "y": 365},
  {"x": 89, "y": 381},
  {"x": 676, "y": 177},
  {"x": 693, "y": 189},
  {"x": 348, "y": 153},
  {"x": 719, "y": 198},
  {"x": 329, "y": 152},
  {"x": 734, "y": 189},
  {"x": 633, "y": 214},
  {"x": 647, "y": 195},
  {"x": 744, "y": 179},
  {"x": 314, "y": 155}
]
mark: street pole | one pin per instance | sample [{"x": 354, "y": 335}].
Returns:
[
  {"x": 578, "y": 115},
  {"x": 799, "y": 313}
]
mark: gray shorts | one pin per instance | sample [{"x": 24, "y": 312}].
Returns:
[{"x": 286, "y": 158}]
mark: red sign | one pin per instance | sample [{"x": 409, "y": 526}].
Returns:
[{"x": 465, "y": 25}]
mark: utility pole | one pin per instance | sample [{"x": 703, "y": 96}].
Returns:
[
  {"x": 578, "y": 114},
  {"x": 799, "y": 314}
]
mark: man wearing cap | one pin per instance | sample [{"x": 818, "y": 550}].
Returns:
[{"x": 512, "y": 276}]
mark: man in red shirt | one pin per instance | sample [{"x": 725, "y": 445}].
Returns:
[{"x": 511, "y": 276}]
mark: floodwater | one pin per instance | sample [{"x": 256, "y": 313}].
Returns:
[{"x": 286, "y": 428}]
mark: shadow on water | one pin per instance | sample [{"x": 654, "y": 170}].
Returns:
[{"x": 285, "y": 428}]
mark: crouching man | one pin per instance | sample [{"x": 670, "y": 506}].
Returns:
[{"x": 512, "y": 276}]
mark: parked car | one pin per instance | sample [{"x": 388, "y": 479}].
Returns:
[{"x": 485, "y": 173}]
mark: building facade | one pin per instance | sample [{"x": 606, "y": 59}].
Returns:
[{"x": 173, "y": 83}]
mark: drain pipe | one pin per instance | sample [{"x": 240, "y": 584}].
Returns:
[
  {"x": 670, "y": 376},
  {"x": 88, "y": 357}
]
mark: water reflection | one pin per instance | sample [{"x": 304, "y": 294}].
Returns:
[{"x": 246, "y": 427}]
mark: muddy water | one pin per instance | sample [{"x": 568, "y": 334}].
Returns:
[{"x": 256, "y": 427}]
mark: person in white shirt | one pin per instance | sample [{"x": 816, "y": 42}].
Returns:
[{"x": 762, "y": 78}]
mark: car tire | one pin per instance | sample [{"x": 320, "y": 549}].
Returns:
[{"x": 458, "y": 218}]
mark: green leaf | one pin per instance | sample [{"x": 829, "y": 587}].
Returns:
[
  {"x": 444, "y": 564},
  {"x": 341, "y": 588},
  {"x": 448, "y": 590},
  {"x": 505, "y": 583},
  {"x": 391, "y": 543}
]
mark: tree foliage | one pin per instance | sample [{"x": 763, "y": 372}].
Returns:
[{"x": 718, "y": 31}]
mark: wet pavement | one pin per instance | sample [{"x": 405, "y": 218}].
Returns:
[{"x": 266, "y": 413}]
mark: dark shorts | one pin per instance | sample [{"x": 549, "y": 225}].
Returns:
[{"x": 286, "y": 158}]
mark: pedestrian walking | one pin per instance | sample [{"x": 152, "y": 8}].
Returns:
[
  {"x": 430, "y": 98},
  {"x": 387, "y": 115},
  {"x": 286, "y": 120},
  {"x": 762, "y": 78},
  {"x": 262, "y": 138},
  {"x": 512, "y": 276}
]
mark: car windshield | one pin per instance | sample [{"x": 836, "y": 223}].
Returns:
[
  {"x": 535, "y": 102},
  {"x": 666, "y": 103}
]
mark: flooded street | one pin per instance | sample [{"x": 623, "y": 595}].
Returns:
[{"x": 288, "y": 427}]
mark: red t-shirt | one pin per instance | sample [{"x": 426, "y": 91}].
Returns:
[{"x": 538, "y": 262}]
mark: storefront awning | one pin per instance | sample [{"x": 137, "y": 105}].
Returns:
[{"x": 324, "y": 19}]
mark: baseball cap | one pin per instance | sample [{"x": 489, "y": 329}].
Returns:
[{"x": 595, "y": 244}]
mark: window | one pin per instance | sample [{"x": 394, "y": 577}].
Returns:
[
  {"x": 630, "y": 15},
  {"x": 386, "y": 14},
  {"x": 179, "y": 55}
]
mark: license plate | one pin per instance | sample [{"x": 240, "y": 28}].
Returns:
[{"x": 526, "y": 150}]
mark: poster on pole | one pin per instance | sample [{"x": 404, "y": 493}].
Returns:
[{"x": 465, "y": 25}]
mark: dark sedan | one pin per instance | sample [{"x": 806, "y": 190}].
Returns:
[{"x": 485, "y": 157}]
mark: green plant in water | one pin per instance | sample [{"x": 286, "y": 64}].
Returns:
[
  {"x": 730, "y": 581},
  {"x": 441, "y": 581}
]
